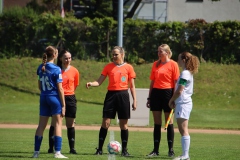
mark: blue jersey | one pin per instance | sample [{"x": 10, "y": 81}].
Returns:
[{"x": 49, "y": 78}]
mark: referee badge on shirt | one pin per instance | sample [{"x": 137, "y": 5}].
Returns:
[{"x": 123, "y": 78}]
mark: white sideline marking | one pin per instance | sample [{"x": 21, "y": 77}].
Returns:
[{"x": 111, "y": 138}]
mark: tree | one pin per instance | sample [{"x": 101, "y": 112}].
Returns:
[
  {"x": 51, "y": 5},
  {"x": 101, "y": 8}
]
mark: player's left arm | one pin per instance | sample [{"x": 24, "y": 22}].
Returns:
[
  {"x": 133, "y": 93},
  {"x": 76, "y": 80}
]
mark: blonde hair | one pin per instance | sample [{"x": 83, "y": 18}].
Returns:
[
  {"x": 191, "y": 62},
  {"x": 49, "y": 52},
  {"x": 121, "y": 50},
  {"x": 167, "y": 49}
]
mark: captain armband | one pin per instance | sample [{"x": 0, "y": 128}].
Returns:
[{"x": 182, "y": 82}]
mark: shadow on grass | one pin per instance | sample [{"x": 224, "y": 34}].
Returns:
[
  {"x": 18, "y": 89},
  {"x": 35, "y": 93},
  {"x": 12, "y": 154}
]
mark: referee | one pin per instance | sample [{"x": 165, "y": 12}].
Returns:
[
  {"x": 70, "y": 76},
  {"x": 121, "y": 77}
]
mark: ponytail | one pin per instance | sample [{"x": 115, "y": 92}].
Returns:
[
  {"x": 44, "y": 61},
  {"x": 191, "y": 62}
]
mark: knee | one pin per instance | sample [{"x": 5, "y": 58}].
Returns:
[
  {"x": 124, "y": 127},
  {"x": 106, "y": 125}
]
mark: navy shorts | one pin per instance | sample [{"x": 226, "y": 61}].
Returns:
[
  {"x": 117, "y": 102},
  {"x": 71, "y": 106},
  {"x": 159, "y": 99},
  {"x": 50, "y": 105}
]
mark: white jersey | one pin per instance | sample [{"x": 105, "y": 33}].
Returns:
[{"x": 187, "y": 92}]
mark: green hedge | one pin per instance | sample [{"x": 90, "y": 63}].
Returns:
[{"x": 25, "y": 33}]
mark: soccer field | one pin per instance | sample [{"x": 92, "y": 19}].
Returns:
[{"x": 18, "y": 144}]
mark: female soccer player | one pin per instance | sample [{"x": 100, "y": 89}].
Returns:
[
  {"x": 70, "y": 82},
  {"x": 52, "y": 101},
  {"x": 121, "y": 77},
  {"x": 164, "y": 75},
  {"x": 182, "y": 101}
]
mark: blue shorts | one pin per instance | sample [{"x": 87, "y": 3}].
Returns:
[{"x": 50, "y": 105}]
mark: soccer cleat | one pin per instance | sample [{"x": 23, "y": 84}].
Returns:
[
  {"x": 50, "y": 150},
  {"x": 181, "y": 158},
  {"x": 35, "y": 154},
  {"x": 59, "y": 155},
  {"x": 125, "y": 153},
  {"x": 153, "y": 154},
  {"x": 98, "y": 152},
  {"x": 73, "y": 151},
  {"x": 171, "y": 153}
]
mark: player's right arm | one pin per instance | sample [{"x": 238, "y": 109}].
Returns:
[
  {"x": 97, "y": 82},
  {"x": 39, "y": 85},
  {"x": 150, "y": 91}
]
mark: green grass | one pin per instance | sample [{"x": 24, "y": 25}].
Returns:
[
  {"x": 216, "y": 86},
  {"x": 216, "y": 106},
  {"x": 200, "y": 118},
  {"x": 216, "y": 93},
  {"x": 18, "y": 144}
]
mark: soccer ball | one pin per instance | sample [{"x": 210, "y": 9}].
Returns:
[{"x": 114, "y": 147}]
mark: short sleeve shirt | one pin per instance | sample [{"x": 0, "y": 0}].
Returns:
[
  {"x": 70, "y": 80},
  {"x": 49, "y": 78},
  {"x": 119, "y": 76},
  {"x": 187, "y": 92},
  {"x": 165, "y": 75}
]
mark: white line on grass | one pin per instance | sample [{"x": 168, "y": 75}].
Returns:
[{"x": 111, "y": 138}]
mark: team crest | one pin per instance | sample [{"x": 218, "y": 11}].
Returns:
[{"x": 123, "y": 79}]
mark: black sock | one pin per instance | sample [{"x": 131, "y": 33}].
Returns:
[
  {"x": 102, "y": 136},
  {"x": 71, "y": 137},
  {"x": 51, "y": 137},
  {"x": 124, "y": 137},
  {"x": 170, "y": 136},
  {"x": 156, "y": 137}
]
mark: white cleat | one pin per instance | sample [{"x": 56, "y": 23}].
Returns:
[
  {"x": 35, "y": 154},
  {"x": 59, "y": 155}
]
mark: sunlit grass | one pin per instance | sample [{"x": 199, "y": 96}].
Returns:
[
  {"x": 216, "y": 93},
  {"x": 19, "y": 143}
]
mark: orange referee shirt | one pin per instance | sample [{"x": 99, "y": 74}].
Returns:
[
  {"x": 165, "y": 75},
  {"x": 70, "y": 80},
  {"x": 119, "y": 76}
]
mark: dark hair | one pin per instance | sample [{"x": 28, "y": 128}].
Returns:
[
  {"x": 49, "y": 52},
  {"x": 59, "y": 61}
]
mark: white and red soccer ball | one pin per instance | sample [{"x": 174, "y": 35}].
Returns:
[{"x": 114, "y": 147}]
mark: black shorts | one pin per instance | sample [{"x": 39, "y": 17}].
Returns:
[
  {"x": 159, "y": 99},
  {"x": 71, "y": 106},
  {"x": 117, "y": 102}
]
